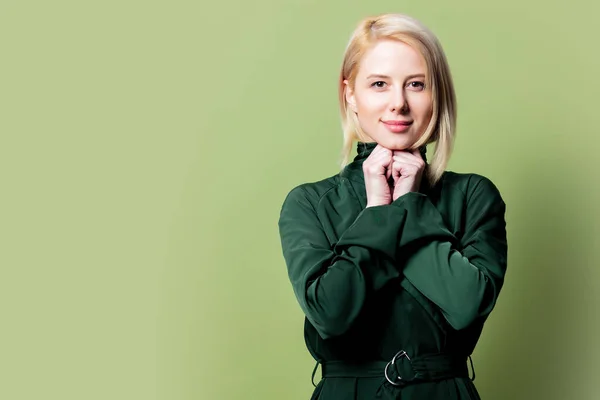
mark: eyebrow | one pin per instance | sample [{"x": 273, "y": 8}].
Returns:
[{"x": 387, "y": 77}]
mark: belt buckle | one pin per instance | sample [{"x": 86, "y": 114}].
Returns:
[{"x": 399, "y": 380}]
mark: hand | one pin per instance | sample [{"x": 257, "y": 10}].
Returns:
[
  {"x": 407, "y": 171},
  {"x": 377, "y": 172}
]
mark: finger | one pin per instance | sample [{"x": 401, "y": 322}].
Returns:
[
  {"x": 378, "y": 151},
  {"x": 415, "y": 154},
  {"x": 409, "y": 163},
  {"x": 410, "y": 160},
  {"x": 388, "y": 171},
  {"x": 398, "y": 170},
  {"x": 412, "y": 155},
  {"x": 382, "y": 157},
  {"x": 383, "y": 151},
  {"x": 379, "y": 165},
  {"x": 404, "y": 169}
]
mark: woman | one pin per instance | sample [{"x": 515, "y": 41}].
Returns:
[{"x": 395, "y": 262}]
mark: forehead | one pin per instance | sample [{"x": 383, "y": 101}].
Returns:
[{"x": 393, "y": 58}]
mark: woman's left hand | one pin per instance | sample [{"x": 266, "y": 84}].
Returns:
[{"x": 407, "y": 171}]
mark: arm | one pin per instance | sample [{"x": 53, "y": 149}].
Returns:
[
  {"x": 332, "y": 283},
  {"x": 462, "y": 278}
]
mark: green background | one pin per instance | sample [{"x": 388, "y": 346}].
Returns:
[{"x": 146, "y": 148}]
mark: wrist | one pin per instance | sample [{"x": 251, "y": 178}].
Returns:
[{"x": 376, "y": 204}]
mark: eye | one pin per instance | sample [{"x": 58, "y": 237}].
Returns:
[
  {"x": 416, "y": 85},
  {"x": 378, "y": 84}
]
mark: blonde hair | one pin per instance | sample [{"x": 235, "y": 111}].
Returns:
[{"x": 441, "y": 128}]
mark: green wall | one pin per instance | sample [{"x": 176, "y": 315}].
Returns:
[{"x": 146, "y": 148}]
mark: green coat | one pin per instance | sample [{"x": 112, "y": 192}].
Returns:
[{"x": 420, "y": 275}]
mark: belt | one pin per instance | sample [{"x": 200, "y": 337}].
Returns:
[{"x": 402, "y": 369}]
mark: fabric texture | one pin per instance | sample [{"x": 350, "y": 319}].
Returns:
[{"x": 421, "y": 274}]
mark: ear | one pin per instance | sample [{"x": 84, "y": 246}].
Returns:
[{"x": 349, "y": 93}]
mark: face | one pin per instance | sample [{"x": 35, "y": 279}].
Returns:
[{"x": 390, "y": 98}]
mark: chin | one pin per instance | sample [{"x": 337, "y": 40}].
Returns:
[{"x": 397, "y": 143}]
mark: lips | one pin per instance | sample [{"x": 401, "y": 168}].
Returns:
[
  {"x": 397, "y": 123},
  {"x": 397, "y": 126}
]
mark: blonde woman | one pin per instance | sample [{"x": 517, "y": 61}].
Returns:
[{"x": 395, "y": 262}]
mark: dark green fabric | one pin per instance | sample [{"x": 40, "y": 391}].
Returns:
[
  {"x": 401, "y": 370},
  {"x": 421, "y": 274}
]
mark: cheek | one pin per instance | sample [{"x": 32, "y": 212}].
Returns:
[
  {"x": 369, "y": 104},
  {"x": 423, "y": 107}
]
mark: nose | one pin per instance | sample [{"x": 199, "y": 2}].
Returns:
[{"x": 398, "y": 101}]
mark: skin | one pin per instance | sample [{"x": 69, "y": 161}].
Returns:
[{"x": 390, "y": 86}]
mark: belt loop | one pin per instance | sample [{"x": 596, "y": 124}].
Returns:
[
  {"x": 472, "y": 369},
  {"x": 313, "y": 374}
]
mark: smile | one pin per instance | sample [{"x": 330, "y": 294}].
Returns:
[{"x": 397, "y": 126}]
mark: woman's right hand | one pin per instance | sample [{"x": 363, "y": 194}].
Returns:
[{"x": 377, "y": 170}]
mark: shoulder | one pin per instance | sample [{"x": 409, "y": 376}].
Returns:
[
  {"x": 309, "y": 193},
  {"x": 470, "y": 184},
  {"x": 480, "y": 195}
]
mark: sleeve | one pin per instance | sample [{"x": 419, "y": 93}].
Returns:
[
  {"x": 332, "y": 283},
  {"x": 463, "y": 277}
]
